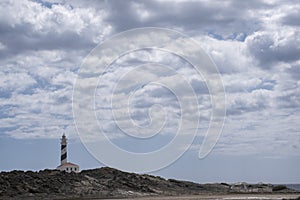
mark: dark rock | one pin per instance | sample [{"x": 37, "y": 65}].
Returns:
[
  {"x": 279, "y": 188},
  {"x": 107, "y": 182}
]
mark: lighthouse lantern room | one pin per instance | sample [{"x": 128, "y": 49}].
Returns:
[{"x": 64, "y": 165}]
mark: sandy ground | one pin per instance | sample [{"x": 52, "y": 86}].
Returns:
[{"x": 223, "y": 197}]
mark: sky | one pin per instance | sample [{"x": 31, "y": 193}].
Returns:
[{"x": 254, "y": 44}]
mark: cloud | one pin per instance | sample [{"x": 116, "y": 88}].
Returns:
[
  {"x": 251, "y": 138},
  {"x": 139, "y": 99},
  {"x": 292, "y": 18},
  {"x": 294, "y": 70},
  {"x": 271, "y": 47},
  {"x": 249, "y": 102},
  {"x": 35, "y": 94},
  {"x": 290, "y": 98},
  {"x": 19, "y": 82},
  {"x": 38, "y": 27},
  {"x": 230, "y": 56},
  {"x": 254, "y": 45},
  {"x": 219, "y": 16}
]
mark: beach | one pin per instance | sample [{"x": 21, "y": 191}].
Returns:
[{"x": 222, "y": 197}]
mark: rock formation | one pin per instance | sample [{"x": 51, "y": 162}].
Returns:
[{"x": 108, "y": 182}]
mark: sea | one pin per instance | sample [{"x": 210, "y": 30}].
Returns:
[{"x": 293, "y": 186}]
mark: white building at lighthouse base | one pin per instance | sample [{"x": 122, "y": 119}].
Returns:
[{"x": 68, "y": 167}]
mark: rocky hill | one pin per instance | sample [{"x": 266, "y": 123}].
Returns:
[{"x": 107, "y": 182}]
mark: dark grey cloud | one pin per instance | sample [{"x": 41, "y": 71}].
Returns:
[
  {"x": 22, "y": 38},
  {"x": 294, "y": 71},
  {"x": 199, "y": 87},
  {"x": 270, "y": 48},
  {"x": 48, "y": 26},
  {"x": 292, "y": 19},
  {"x": 217, "y": 16}
]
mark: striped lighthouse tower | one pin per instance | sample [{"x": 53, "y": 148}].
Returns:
[
  {"x": 64, "y": 164},
  {"x": 63, "y": 155}
]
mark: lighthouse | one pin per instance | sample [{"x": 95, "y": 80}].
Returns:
[
  {"x": 64, "y": 164},
  {"x": 63, "y": 150}
]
